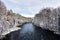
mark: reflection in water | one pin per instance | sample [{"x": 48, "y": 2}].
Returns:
[
  {"x": 27, "y": 32},
  {"x": 27, "y": 28},
  {"x": 31, "y": 32}
]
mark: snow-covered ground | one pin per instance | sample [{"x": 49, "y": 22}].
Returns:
[{"x": 10, "y": 30}]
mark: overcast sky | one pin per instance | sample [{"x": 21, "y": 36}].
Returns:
[{"x": 29, "y": 8}]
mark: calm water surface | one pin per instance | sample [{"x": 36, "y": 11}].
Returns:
[{"x": 31, "y": 32}]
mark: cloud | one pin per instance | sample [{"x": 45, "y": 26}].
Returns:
[
  {"x": 14, "y": 1},
  {"x": 27, "y": 15},
  {"x": 26, "y": 2},
  {"x": 30, "y": 7},
  {"x": 36, "y": 2}
]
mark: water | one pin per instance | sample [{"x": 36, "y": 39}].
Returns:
[{"x": 31, "y": 32}]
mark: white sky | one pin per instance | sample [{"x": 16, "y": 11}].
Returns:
[{"x": 29, "y": 8}]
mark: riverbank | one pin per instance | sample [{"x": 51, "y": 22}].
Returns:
[
  {"x": 31, "y": 32},
  {"x": 49, "y": 19},
  {"x": 10, "y": 21},
  {"x": 14, "y": 30}
]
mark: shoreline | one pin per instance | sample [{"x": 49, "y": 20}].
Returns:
[{"x": 15, "y": 30}]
